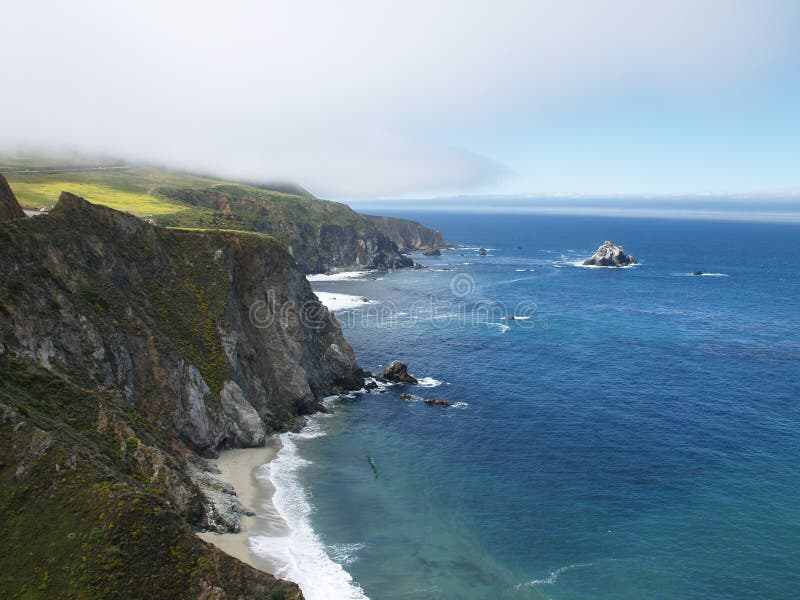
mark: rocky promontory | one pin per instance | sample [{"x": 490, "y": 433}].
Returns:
[
  {"x": 127, "y": 354},
  {"x": 320, "y": 235},
  {"x": 408, "y": 235},
  {"x": 610, "y": 255}
]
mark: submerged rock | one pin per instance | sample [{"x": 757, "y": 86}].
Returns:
[
  {"x": 432, "y": 252},
  {"x": 697, "y": 273},
  {"x": 483, "y": 252},
  {"x": 610, "y": 255},
  {"x": 398, "y": 371}
]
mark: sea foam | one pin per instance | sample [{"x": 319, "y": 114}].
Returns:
[
  {"x": 300, "y": 553},
  {"x": 343, "y": 276},
  {"x": 428, "y": 382},
  {"x": 335, "y": 301},
  {"x": 553, "y": 577}
]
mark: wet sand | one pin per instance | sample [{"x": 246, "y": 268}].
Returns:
[{"x": 239, "y": 468}]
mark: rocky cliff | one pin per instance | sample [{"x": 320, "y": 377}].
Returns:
[
  {"x": 321, "y": 235},
  {"x": 409, "y": 235},
  {"x": 9, "y": 207},
  {"x": 127, "y": 352}
]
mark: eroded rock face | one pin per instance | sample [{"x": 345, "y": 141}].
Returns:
[
  {"x": 343, "y": 239},
  {"x": 216, "y": 337},
  {"x": 123, "y": 348},
  {"x": 398, "y": 372},
  {"x": 9, "y": 207},
  {"x": 610, "y": 255},
  {"x": 408, "y": 235},
  {"x": 124, "y": 496}
]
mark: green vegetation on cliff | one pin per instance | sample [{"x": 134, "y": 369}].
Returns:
[
  {"x": 321, "y": 235},
  {"x": 127, "y": 352},
  {"x": 84, "y": 511}
]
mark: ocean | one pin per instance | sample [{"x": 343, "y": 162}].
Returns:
[{"x": 636, "y": 436}]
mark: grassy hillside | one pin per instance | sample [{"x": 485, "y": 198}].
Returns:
[
  {"x": 143, "y": 192},
  {"x": 32, "y": 194},
  {"x": 320, "y": 234}
]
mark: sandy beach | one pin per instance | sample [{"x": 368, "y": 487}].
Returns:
[{"x": 239, "y": 467}]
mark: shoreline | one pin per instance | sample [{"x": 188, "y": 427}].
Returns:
[
  {"x": 239, "y": 467},
  {"x": 279, "y": 538}
]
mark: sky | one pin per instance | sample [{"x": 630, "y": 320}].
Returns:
[{"x": 362, "y": 100}]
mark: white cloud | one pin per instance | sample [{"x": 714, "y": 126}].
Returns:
[{"x": 350, "y": 98}]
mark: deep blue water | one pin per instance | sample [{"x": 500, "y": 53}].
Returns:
[{"x": 638, "y": 437}]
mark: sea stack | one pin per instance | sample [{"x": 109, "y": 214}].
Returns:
[
  {"x": 610, "y": 255},
  {"x": 398, "y": 372}
]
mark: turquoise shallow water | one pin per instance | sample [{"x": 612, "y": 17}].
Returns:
[{"x": 636, "y": 438}]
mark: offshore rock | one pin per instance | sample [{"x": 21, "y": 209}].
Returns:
[
  {"x": 398, "y": 372},
  {"x": 610, "y": 255},
  {"x": 444, "y": 403}
]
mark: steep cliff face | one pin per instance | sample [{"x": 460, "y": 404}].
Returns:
[
  {"x": 126, "y": 349},
  {"x": 332, "y": 247},
  {"x": 321, "y": 235},
  {"x": 9, "y": 207},
  {"x": 408, "y": 235},
  {"x": 215, "y": 336},
  {"x": 97, "y": 503}
]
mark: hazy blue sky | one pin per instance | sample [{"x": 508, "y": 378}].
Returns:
[{"x": 393, "y": 99}]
